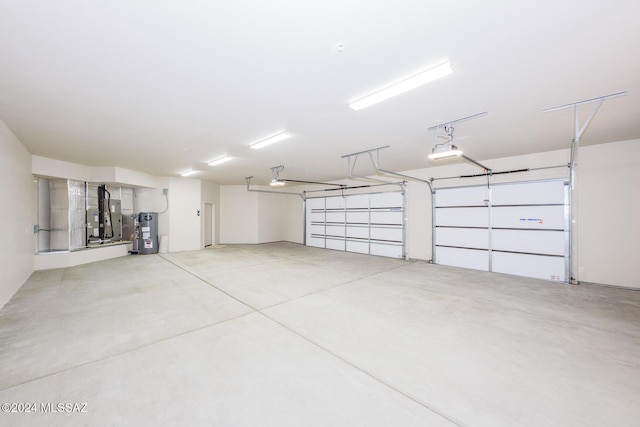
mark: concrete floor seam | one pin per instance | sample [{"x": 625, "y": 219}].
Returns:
[
  {"x": 319, "y": 291},
  {"x": 187, "y": 270},
  {"x": 369, "y": 374},
  {"x": 232, "y": 269},
  {"x": 122, "y": 353}
]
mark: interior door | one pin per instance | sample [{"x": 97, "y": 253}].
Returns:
[{"x": 208, "y": 224}]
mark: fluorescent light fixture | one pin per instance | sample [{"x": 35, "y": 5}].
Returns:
[
  {"x": 187, "y": 173},
  {"x": 403, "y": 86},
  {"x": 220, "y": 160},
  {"x": 276, "y": 182},
  {"x": 442, "y": 151},
  {"x": 271, "y": 140}
]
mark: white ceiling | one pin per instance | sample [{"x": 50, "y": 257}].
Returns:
[{"x": 163, "y": 86}]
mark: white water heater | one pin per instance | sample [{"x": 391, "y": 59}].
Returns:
[{"x": 148, "y": 233}]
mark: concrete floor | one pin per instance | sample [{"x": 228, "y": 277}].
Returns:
[{"x": 284, "y": 335}]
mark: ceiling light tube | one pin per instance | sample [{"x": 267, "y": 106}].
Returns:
[
  {"x": 275, "y": 182},
  {"x": 444, "y": 151},
  {"x": 271, "y": 140},
  {"x": 220, "y": 160},
  {"x": 403, "y": 86},
  {"x": 187, "y": 173}
]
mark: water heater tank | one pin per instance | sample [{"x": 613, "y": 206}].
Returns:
[{"x": 148, "y": 226}]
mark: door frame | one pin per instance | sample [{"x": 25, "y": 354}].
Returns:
[{"x": 212, "y": 222}]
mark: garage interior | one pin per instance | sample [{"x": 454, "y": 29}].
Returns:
[{"x": 239, "y": 213}]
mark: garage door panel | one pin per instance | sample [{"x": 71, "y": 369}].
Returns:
[
  {"x": 465, "y": 258},
  {"x": 463, "y": 237},
  {"x": 337, "y": 244},
  {"x": 358, "y": 217},
  {"x": 359, "y": 201},
  {"x": 315, "y": 229},
  {"x": 462, "y": 217},
  {"x": 392, "y": 234},
  {"x": 335, "y": 203},
  {"x": 535, "y": 193},
  {"x": 335, "y": 230},
  {"x": 315, "y": 217},
  {"x": 531, "y": 241},
  {"x": 335, "y": 216},
  {"x": 532, "y": 217},
  {"x": 358, "y": 232},
  {"x": 394, "y": 251},
  {"x": 317, "y": 203},
  {"x": 386, "y": 200},
  {"x": 359, "y": 247},
  {"x": 464, "y": 196},
  {"x": 536, "y": 266},
  {"x": 386, "y": 217},
  {"x": 315, "y": 242}
]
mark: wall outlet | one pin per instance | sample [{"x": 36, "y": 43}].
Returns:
[
  {"x": 165, "y": 191},
  {"x": 580, "y": 269}
]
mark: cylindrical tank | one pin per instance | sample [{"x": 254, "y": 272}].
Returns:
[{"x": 148, "y": 226}]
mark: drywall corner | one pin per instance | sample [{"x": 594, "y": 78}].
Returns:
[{"x": 18, "y": 241}]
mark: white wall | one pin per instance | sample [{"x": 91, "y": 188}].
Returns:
[
  {"x": 293, "y": 219},
  {"x": 17, "y": 214},
  {"x": 418, "y": 221},
  {"x": 254, "y": 217},
  {"x": 180, "y": 222},
  {"x": 52, "y": 168},
  {"x": 238, "y": 215},
  {"x": 152, "y": 200},
  {"x": 273, "y": 217},
  {"x": 609, "y": 213},
  {"x": 184, "y": 221},
  {"x": 128, "y": 177}
]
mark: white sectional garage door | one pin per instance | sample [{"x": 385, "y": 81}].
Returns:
[
  {"x": 364, "y": 223},
  {"x": 517, "y": 228}
]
